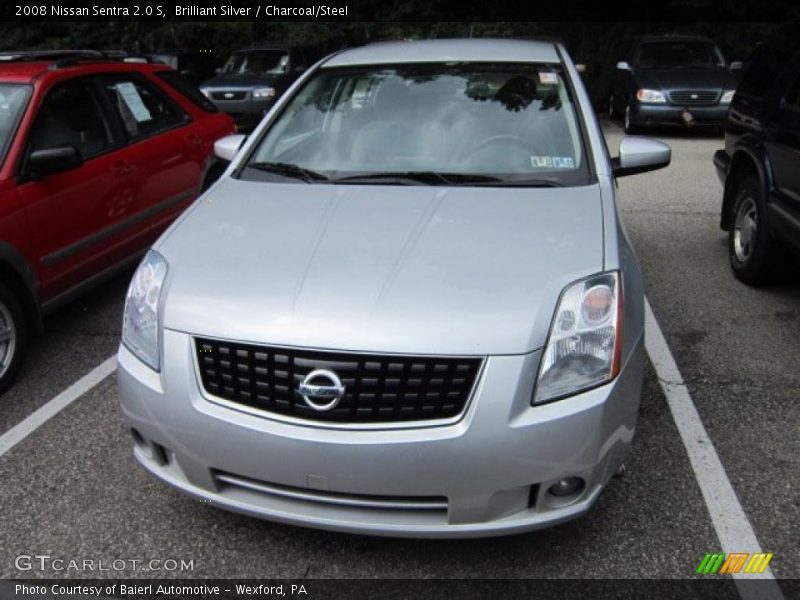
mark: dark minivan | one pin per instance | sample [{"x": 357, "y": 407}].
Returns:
[
  {"x": 760, "y": 165},
  {"x": 252, "y": 79},
  {"x": 671, "y": 80}
]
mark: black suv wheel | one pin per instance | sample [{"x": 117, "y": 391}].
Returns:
[{"x": 754, "y": 255}]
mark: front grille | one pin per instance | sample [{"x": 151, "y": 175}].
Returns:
[
  {"x": 378, "y": 388},
  {"x": 694, "y": 97},
  {"x": 229, "y": 95}
]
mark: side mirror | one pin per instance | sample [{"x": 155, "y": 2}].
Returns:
[
  {"x": 580, "y": 68},
  {"x": 623, "y": 66},
  {"x": 227, "y": 147},
  {"x": 639, "y": 155},
  {"x": 736, "y": 65},
  {"x": 218, "y": 70},
  {"x": 50, "y": 161}
]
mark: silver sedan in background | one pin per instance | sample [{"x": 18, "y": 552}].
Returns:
[{"x": 408, "y": 308}]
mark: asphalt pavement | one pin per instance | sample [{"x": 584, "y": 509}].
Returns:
[{"x": 71, "y": 489}]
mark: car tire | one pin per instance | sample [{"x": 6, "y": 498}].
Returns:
[
  {"x": 754, "y": 254},
  {"x": 628, "y": 125},
  {"x": 212, "y": 175},
  {"x": 13, "y": 337}
]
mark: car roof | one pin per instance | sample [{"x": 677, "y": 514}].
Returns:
[
  {"x": 27, "y": 70},
  {"x": 22, "y": 72},
  {"x": 447, "y": 50}
]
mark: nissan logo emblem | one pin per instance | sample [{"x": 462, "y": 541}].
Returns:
[
  {"x": 229, "y": 94},
  {"x": 321, "y": 389}
]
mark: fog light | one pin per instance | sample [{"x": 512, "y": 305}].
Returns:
[{"x": 566, "y": 487}]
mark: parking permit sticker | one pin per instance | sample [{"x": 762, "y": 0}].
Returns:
[
  {"x": 542, "y": 162},
  {"x": 552, "y": 162},
  {"x": 549, "y": 78},
  {"x": 133, "y": 101}
]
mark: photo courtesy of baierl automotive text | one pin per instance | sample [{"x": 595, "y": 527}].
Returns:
[{"x": 356, "y": 300}]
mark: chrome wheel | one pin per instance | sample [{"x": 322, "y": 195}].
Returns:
[
  {"x": 745, "y": 228},
  {"x": 7, "y": 339}
]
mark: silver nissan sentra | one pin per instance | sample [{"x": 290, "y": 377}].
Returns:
[{"x": 407, "y": 308}]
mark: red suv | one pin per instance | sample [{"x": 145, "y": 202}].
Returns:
[{"x": 97, "y": 157}]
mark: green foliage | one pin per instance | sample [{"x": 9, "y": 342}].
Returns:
[{"x": 597, "y": 45}]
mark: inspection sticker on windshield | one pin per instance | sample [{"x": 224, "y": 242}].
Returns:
[
  {"x": 547, "y": 77},
  {"x": 552, "y": 162},
  {"x": 563, "y": 162}
]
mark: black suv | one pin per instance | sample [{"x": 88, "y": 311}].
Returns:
[
  {"x": 252, "y": 79},
  {"x": 195, "y": 65},
  {"x": 760, "y": 165},
  {"x": 671, "y": 80}
]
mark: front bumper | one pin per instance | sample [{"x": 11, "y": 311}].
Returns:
[
  {"x": 487, "y": 474},
  {"x": 246, "y": 113},
  {"x": 668, "y": 114}
]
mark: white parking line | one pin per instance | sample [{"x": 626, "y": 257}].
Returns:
[
  {"x": 727, "y": 515},
  {"x": 40, "y": 416}
]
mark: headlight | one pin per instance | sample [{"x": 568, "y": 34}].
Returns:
[
  {"x": 583, "y": 349},
  {"x": 650, "y": 97},
  {"x": 264, "y": 93},
  {"x": 206, "y": 92},
  {"x": 140, "y": 320},
  {"x": 727, "y": 96}
]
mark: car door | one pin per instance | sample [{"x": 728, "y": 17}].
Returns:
[
  {"x": 75, "y": 216},
  {"x": 783, "y": 143},
  {"x": 164, "y": 147}
]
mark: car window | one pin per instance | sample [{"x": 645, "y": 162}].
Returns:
[
  {"x": 507, "y": 121},
  {"x": 679, "y": 55},
  {"x": 143, "y": 109},
  {"x": 186, "y": 89},
  {"x": 273, "y": 62},
  {"x": 13, "y": 100},
  {"x": 70, "y": 115}
]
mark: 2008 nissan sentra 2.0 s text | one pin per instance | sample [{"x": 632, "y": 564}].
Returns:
[{"x": 408, "y": 308}]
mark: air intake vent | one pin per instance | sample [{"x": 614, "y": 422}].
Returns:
[
  {"x": 229, "y": 95},
  {"x": 694, "y": 97}
]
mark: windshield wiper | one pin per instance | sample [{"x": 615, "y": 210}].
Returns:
[
  {"x": 289, "y": 170},
  {"x": 522, "y": 183},
  {"x": 411, "y": 177}
]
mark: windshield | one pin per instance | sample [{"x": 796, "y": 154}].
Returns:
[
  {"x": 13, "y": 99},
  {"x": 679, "y": 55},
  {"x": 428, "y": 124},
  {"x": 257, "y": 61}
]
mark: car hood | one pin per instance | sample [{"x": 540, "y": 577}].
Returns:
[
  {"x": 696, "y": 79},
  {"x": 406, "y": 269},
  {"x": 244, "y": 80}
]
